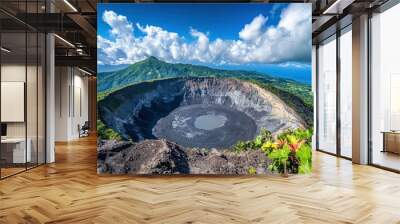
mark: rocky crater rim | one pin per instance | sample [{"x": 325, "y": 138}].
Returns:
[{"x": 148, "y": 110}]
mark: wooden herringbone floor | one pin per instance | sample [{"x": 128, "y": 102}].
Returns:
[{"x": 70, "y": 191}]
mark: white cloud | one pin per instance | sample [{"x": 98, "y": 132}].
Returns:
[
  {"x": 253, "y": 31},
  {"x": 293, "y": 64},
  {"x": 288, "y": 41},
  {"x": 119, "y": 24}
]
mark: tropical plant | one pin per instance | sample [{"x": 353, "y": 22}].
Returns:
[
  {"x": 240, "y": 146},
  {"x": 279, "y": 159},
  {"x": 256, "y": 144},
  {"x": 252, "y": 170},
  {"x": 290, "y": 152},
  {"x": 264, "y": 136},
  {"x": 304, "y": 156}
]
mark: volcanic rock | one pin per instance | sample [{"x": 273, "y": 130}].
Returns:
[{"x": 164, "y": 157}]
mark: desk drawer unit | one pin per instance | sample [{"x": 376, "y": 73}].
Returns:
[
  {"x": 392, "y": 142},
  {"x": 13, "y": 151}
]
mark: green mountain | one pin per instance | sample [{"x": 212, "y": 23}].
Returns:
[
  {"x": 152, "y": 68},
  {"x": 295, "y": 94}
]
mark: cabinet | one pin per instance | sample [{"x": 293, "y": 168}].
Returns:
[{"x": 13, "y": 150}]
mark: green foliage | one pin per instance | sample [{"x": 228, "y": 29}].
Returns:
[
  {"x": 252, "y": 170},
  {"x": 304, "y": 156},
  {"x": 305, "y": 134},
  {"x": 290, "y": 152},
  {"x": 268, "y": 146},
  {"x": 106, "y": 133},
  {"x": 264, "y": 136},
  {"x": 255, "y": 144},
  {"x": 279, "y": 159},
  {"x": 240, "y": 146}
]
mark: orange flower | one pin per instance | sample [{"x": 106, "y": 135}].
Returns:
[{"x": 296, "y": 145}]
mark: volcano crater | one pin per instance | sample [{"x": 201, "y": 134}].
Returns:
[
  {"x": 205, "y": 126},
  {"x": 196, "y": 112}
]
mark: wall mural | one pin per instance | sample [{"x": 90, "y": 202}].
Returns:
[{"x": 204, "y": 88}]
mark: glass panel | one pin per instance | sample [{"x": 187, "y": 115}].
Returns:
[
  {"x": 23, "y": 87},
  {"x": 327, "y": 96},
  {"x": 385, "y": 84},
  {"x": 346, "y": 94},
  {"x": 314, "y": 85},
  {"x": 13, "y": 86},
  {"x": 32, "y": 88},
  {"x": 41, "y": 99},
  {"x": 31, "y": 98}
]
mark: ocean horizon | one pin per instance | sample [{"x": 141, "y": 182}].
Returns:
[{"x": 302, "y": 74}]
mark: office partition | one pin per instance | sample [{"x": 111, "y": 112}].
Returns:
[{"x": 22, "y": 77}]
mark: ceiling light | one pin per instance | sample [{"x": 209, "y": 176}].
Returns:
[
  {"x": 70, "y": 5},
  {"x": 331, "y": 7},
  {"x": 64, "y": 40},
  {"x": 338, "y": 6},
  {"x": 84, "y": 71},
  {"x": 79, "y": 51},
  {"x": 5, "y": 50}
]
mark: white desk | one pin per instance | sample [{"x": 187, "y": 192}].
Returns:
[{"x": 19, "y": 154}]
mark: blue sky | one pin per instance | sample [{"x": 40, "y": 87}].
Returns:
[
  {"x": 220, "y": 20},
  {"x": 270, "y": 38}
]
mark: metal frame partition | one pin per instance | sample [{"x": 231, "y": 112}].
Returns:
[
  {"x": 337, "y": 35},
  {"x": 382, "y": 8},
  {"x": 338, "y": 32},
  {"x": 338, "y": 75},
  {"x": 317, "y": 80},
  {"x": 42, "y": 97}
]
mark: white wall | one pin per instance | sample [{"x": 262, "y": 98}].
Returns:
[
  {"x": 71, "y": 102},
  {"x": 61, "y": 103},
  {"x": 17, "y": 73},
  {"x": 81, "y": 104},
  {"x": 12, "y": 73},
  {"x": 33, "y": 126}
]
